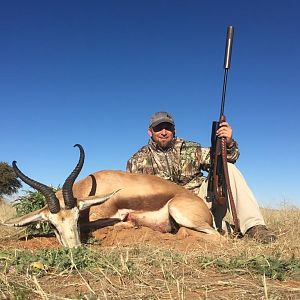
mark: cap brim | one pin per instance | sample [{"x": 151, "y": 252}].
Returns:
[{"x": 162, "y": 121}]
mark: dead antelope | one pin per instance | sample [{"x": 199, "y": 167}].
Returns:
[{"x": 110, "y": 196}]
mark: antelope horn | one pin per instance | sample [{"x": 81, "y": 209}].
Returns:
[
  {"x": 51, "y": 199},
  {"x": 68, "y": 185}
]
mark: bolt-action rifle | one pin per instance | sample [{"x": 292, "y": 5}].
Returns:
[{"x": 219, "y": 190}]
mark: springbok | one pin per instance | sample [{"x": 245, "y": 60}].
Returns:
[{"x": 109, "y": 197}]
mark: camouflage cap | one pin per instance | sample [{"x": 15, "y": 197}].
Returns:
[{"x": 161, "y": 117}]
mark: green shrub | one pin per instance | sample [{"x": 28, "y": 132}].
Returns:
[{"x": 32, "y": 201}]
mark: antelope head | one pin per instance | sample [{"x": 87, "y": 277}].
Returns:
[{"x": 63, "y": 215}]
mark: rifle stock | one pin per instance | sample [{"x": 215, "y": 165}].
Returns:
[{"x": 219, "y": 190}]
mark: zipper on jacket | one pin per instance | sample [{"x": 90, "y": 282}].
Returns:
[{"x": 169, "y": 169}]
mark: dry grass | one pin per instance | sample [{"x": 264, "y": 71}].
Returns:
[
  {"x": 6, "y": 211},
  {"x": 232, "y": 270}
]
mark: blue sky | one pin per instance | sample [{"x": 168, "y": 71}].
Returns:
[{"x": 93, "y": 72}]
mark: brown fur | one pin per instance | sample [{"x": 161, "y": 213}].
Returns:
[
  {"x": 108, "y": 197},
  {"x": 143, "y": 193}
]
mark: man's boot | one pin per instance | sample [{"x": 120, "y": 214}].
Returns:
[{"x": 261, "y": 234}]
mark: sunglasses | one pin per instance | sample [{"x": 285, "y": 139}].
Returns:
[{"x": 161, "y": 126}]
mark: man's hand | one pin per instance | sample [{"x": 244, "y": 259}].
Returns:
[{"x": 225, "y": 131}]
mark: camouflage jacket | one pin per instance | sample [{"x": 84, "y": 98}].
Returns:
[{"x": 181, "y": 163}]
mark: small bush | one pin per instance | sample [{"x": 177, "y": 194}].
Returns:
[{"x": 32, "y": 201}]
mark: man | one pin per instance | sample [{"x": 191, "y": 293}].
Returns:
[{"x": 182, "y": 162}]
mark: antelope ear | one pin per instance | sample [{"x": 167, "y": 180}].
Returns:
[
  {"x": 38, "y": 215},
  {"x": 94, "y": 200}
]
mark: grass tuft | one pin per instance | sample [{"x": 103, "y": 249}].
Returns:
[{"x": 271, "y": 266}]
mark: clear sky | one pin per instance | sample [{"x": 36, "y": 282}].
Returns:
[{"x": 93, "y": 72}]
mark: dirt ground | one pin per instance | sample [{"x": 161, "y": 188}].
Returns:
[
  {"x": 112, "y": 236},
  {"x": 209, "y": 283}
]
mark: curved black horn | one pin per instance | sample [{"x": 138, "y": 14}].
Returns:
[
  {"x": 51, "y": 199},
  {"x": 68, "y": 185}
]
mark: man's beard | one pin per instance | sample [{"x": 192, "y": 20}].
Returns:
[{"x": 164, "y": 144}]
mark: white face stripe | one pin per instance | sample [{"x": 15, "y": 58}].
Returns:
[{"x": 66, "y": 225}]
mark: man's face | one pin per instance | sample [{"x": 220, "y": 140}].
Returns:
[{"x": 162, "y": 134}]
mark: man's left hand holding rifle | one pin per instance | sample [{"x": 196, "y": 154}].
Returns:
[{"x": 225, "y": 131}]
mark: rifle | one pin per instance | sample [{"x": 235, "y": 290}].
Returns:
[{"x": 219, "y": 190}]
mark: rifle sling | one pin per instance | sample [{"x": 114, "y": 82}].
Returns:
[{"x": 228, "y": 187}]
